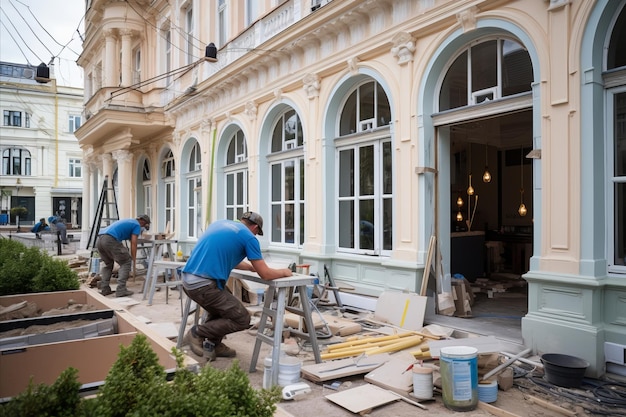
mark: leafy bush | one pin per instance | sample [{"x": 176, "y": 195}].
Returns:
[
  {"x": 26, "y": 270},
  {"x": 137, "y": 385}
]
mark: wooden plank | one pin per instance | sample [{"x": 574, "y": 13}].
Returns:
[
  {"x": 428, "y": 264},
  {"x": 405, "y": 310},
  {"x": 361, "y": 399},
  {"x": 341, "y": 368},
  {"x": 392, "y": 375},
  {"x": 484, "y": 344},
  {"x": 492, "y": 409}
]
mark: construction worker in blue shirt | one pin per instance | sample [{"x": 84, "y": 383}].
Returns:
[{"x": 111, "y": 249}]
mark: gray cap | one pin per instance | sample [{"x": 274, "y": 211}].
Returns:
[
  {"x": 255, "y": 218},
  {"x": 144, "y": 217}
]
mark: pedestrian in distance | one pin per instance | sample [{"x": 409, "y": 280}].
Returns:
[
  {"x": 59, "y": 225},
  {"x": 224, "y": 246},
  {"x": 110, "y": 245},
  {"x": 39, "y": 227}
]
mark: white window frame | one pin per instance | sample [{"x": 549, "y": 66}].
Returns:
[
  {"x": 612, "y": 180},
  {"x": 222, "y": 22},
  {"x": 236, "y": 176},
  {"x": 194, "y": 193},
  {"x": 74, "y": 122},
  {"x": 137, "y": 66},
  {"x": 75, "y": 168},
  {"x": 377, "y": 197},
  {"x": 167, "y": 56},
  {"x": 189, "y": 41},
  {"x": 279, "y": 207}
]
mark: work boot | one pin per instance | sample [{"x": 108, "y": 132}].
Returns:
[
  {"x": 224, "y": 351},
  {"x": 123, "y": 292},
  {"x": 194, "y": 341},
  {"x": 209, "y": 351},
  {"x": 105, "y": 290}
]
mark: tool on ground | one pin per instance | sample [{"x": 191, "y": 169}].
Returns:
[{"x": 356, "y": 364}]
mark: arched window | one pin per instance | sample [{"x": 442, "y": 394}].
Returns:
[
  {"x": 146, "y": 179},
  {"x": 366, "y": 108},
  {"x": 16, "y": 161},
  {"x": 486, "y": 71},
  {"x": 365, "y": 176},
  {"x": 616, "y": 146},
  {"x": 194, "y": 192},
  {"x": 287, "y": 180},
  {"x": 236, "y": 173},
  {"x": 167, "y": 174}
]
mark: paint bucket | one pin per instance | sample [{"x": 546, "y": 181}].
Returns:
[
  {"x": 95, "y": 265},
  {"x": 422, "y": 382},
  {"x": 459, "y": 377},
  {"x": 288, "y": 371},
  {"x": 488, "y": 393}
]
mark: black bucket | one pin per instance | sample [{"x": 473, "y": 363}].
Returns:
[{"x": 564, "y": 370}]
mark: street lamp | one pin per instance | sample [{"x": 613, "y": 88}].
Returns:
[{"x": 18, "y": 187}]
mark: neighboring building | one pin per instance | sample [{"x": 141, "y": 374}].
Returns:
[
  {"x": 41, "y": 159},
  {"x": 357, "y": 128}
]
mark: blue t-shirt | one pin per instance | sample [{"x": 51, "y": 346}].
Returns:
[
  {"x": 122, "y": 229},
  {"x": 221, "y": 248}
]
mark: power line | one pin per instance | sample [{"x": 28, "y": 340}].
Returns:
[
  {"x": 18, "y": 34},
  {"x": 14, "y": 40},
  {"x": 31, "y": 29}
]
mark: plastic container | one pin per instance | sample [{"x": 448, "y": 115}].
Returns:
[
  {"x": 488, "y": 393},
  {"x": 422, "y": 382},
  {"x": 459, "y": 377},
  {"x": 288, "y": 371}
]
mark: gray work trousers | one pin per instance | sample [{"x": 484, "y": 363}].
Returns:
[
  {"x": 111, "y": 250},
  {"x": 226, "y": 313}
]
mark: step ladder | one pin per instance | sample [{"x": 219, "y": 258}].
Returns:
[{"x": 106, "y": 214}]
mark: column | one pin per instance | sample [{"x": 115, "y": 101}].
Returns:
[
  {"x": 110, "y": 76},
  {"x": 125, "y": 184},
  {"x": 127, "y": 73}
]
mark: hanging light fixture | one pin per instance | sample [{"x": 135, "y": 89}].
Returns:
[
  {"x": 470, "y": 189},
  {"x": 459, "y": 204},
  {"x": 522, "y": 207},
  {"x": 486, "y": 174}
]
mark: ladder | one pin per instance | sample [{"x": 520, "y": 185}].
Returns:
[{"x": 106, "y": 213}]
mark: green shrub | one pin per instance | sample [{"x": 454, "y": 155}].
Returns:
[
  {"x": 137, "y": 386},
  {"x": 26, "y": 270}
]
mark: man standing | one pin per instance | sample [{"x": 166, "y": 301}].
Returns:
[
  {"x": 219, "y": 250},
  {"x": 111, "y": 249}
]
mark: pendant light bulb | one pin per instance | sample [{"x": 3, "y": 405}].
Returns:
[
  {"x": 459, "y": 202},
  {"x": 459, "y": 216},
  {"x": 522, "y": 210},
  {"x": 470, "y": 189},
  {"x": 487, "y": 175}
]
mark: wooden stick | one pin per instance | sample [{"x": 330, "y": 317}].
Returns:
[
  {"x": 505, "y": 364},
  {"x": 403, "y": 398},
  {"x": 495, "y": 410},
  {"x": 365, "y": 340},
  {"x": 550, "y": 406},
  {"x": 403, "y": 344}
]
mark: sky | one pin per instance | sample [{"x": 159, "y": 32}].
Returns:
[{"x": 34, "y": 31}]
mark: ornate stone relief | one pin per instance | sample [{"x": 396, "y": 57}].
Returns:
[
  {"x": 353, "y": 65},
  {"x": 251, "y": 110},
  {"x": 311, "y": 85},
  {"x": 403, "y": 47},
  {"x": 122, "y": 155},
  {"x": 467, "y": 18}
]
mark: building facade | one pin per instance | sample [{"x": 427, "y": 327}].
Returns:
[
  {"x": 361, "y": 129},
  {"x": 41, "y": 158}
]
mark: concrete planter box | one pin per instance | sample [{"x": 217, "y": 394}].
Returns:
[{"x": 92, "y": 356}]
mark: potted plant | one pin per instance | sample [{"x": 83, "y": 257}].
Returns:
[{"x": 18, "y": 212}]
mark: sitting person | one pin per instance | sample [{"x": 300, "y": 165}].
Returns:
[
  {"x": 39, "y": 227},
  {"x": 59, "y": 223}
]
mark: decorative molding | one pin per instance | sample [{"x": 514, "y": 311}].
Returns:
[
  {"x": 278, "y": 93},
  {"x": 122, "y": 155},
  {"x": 403, "y": 47},
  {"x": 558, "y": 4},
  {"x": 311, "y": 85},
  {"x": 353, "y": 65},
  {"x": 467, "y": 18},
  {"x": 251, "y": 110}
]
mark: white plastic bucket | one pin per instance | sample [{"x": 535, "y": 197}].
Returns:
[
  {"x": 288, "y": 370},
  {"x": 459, "y": 377},
  {"x": 422, "y": 382}
]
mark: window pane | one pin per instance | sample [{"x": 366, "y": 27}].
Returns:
[
  {"x": 347, "y": 124},
  {"x": 301, "y": 167},
  {"x": 366, "y": 101},
  {"x": 277, "y": 136},
  {"x": 240, "y": 188},
  {"x": 346, "y": 224},
  {"x": 289, "y": 223},
  {"x": 290, "y": 183},
  {"x": 454, "y": 89},
  {"x": 366, "y": 224},
  {"x": 301, "y": 224},
  {"x": 619, "y": 149},
  {"x": 616, "y": 56},
  {"x": 230, "y": 190},
  {"x": 620, "y": 224},
  {"x": 346, "y": 173},
  {"x": 517, "y": 69},
  {"x": 387, "y": 168},
  {"x": 277, "y": 182},
  {"x": 387, "y": 224},
  {"x": 277, "y": 227},
  {"x": 383, "y": 109},
  {"x": 366, "y": 170},
  {"x": 484, "y": 65}
]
